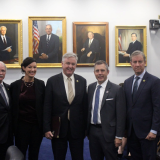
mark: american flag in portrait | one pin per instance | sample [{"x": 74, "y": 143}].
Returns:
[
  {"x": 36, "y": 37},
  {"x": 120, "y": 43}
]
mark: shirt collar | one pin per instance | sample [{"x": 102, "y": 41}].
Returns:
[
  {"x": 133, "y": 41},
  {"x": 103, "y": 84},
  {"x": 65, "y": 77},
  {"x": 141, "y": 75}
]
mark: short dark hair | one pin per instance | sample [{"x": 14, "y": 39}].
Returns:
[
  {"x": 134, "y": 33},
  {"x": 26, "y": 62},
  {"x": 99, "y": 62},
  {"x": 136, "y": 53}
]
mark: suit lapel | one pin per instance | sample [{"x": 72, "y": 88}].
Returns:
[
  {"x": 106, "y": 93},
  {"x": 141, "y": 86},
  {"x": 130, "y": 87},
  {"x": 91, "y": 96}
]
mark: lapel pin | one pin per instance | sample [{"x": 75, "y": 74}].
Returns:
[
  {"x": 107, "y": 91},
  {"x": 144, "y": 80},
  {"x": 77, "y": 81}
]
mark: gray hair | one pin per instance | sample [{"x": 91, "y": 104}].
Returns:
[
  {"x": 68, "y": 55},
  {"x": 3, "y": 27},
  {"x": 134, "y": 33},
  {"x": 3, "y": 64},
  {"x": 99, "y": 62},
  {"x": 49, "y": 25},
  {"x": 136, "y": 53}
]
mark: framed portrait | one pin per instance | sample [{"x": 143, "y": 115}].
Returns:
[
  {"x": 11, "y": 51},
  {"x": 127, "y": 40},
  {"x": 91, "y": 42},
  {"x": 47, "y": 40}
]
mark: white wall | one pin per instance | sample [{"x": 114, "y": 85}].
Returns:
[{"x": 116, "y": 12}]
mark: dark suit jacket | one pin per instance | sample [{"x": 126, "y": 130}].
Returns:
[
  {"x": 5, "y": 55},
  {"x": 56, "y": 104},
  {"x": 144, "y": 113},
  {"x": 15, "y": 92},
  {"x": 113, "y": 112},
  {"x": 133, "y": 47},
  {"x": 52, "y": 49},
  {"x": 5, "y": 118}
]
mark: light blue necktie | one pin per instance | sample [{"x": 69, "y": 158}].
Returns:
[
  {"x": 96, "y": 105},
  {"x": 3, "y": 95}
]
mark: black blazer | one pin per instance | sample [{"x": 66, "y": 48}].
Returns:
[
  {"x": 56, "y": 104},
  {"x": 52, "y": 50},
  {"x": 144, "y": 113},
  {"x": 5, "y": 118},
  {"x": 113, "y": 112},
  {"x": 5, "y": 55},
  {"x": 40, "y": 93},
  {"x": 133, "y": 47}
]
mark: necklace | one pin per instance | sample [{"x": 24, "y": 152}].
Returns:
[{"x": 28, "y": 84}]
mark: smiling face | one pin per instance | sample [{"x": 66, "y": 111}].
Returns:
[
  {"x": 2, "y": 72},
  {"x": 69, "y": 66},
  {"x": 3, "y": 31},
  {"x": 30, "y": 70},
  {"x": 48, "y": 29},
  {"x": 101, "y": 72},
  {"x": 138, "y": 64}
]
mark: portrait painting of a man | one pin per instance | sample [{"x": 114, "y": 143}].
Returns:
[{"x": 90, "y": 42}]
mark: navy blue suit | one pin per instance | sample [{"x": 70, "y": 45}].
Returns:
[
  {"x": 5, "y": 55},
  {"x": 52, "y": 49},
  {"x": 143, "y": 115}
]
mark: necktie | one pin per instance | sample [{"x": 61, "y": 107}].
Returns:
[
  {"x": 4, "y": 41},
  {"x": 96, "y": 105},
  {"x": 47, "y": 40},
  {"x": 135, "y": 88},
  {"x": 3, "y": 95},
  {"x": 70, "y": 95},
  {"x": 89, "y": 43}
]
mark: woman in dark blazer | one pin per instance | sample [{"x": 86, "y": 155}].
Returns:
[{"x": 27, "y": 95}]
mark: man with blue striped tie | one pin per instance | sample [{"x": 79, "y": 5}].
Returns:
[{"x": 107, "y": 114}]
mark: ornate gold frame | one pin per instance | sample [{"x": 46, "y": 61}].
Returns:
[
  {"x": 116, "y": 43},
  {"x": 90, "y": 24},
  {"x": 48, "y": 18},
  {"x": 20, "y": 46}
]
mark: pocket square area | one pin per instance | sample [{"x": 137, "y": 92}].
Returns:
[{"x": 109, "y": 99}]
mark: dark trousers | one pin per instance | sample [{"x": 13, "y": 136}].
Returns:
[
  {"x": 60, "y": 145},
  {"x": 99, "y": 148},
  {"x": 28, "y": 135},
  {"x": 142, "y": 149},
  {"x": 3, "y": 149},
  {"x": 85, "y": 59}
]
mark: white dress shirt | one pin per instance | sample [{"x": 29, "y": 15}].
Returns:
[
  {"x": 5, "y": 92},
  {"x": 3, "y": 37},
  {"x": 65, "y": 79},
  {"x": 102, "y": 89},
  {"x": 48, "y": 36}
]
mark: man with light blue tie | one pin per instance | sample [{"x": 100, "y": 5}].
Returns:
[
  {"x": 106, "y": 116},
  {"x": 142, "y": 92}
]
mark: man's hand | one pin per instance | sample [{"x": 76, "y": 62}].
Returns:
[
  {"x": 126, "y": 55},
  {"x": 82, "y": 49},
  {"x": 117, "y": 142},
  {"x": 9, "y": 50},
  {"x": 48, "y": 135},
  {"x": 151, "y": 136},
  {"x": 43, "y": 56},
  {"x": 89, "y": 54}
]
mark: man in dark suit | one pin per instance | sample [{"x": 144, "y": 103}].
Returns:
[
  {"x": 48, "y": 47},
  {"x": 5, "y": 115},
  {"x": 90, "y": 47},
  {"x": 66, "y": 97},
  {"x": 106, "y": 116},
  {"x": 142, "y": 92},
  {"x": 5, "y": 45}
]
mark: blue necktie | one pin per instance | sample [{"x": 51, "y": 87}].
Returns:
[
  {"x": 3, "y": 95},
  {"x": 135, "y": 88},
  {"x": 47, "y": 40},
  {"x": 96, "y": 105}
]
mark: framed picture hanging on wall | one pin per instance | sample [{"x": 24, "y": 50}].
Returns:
[
  {"x": 47, "y": 40},
  {"x": 127, "y": 40},
  {"x": 11, "y": 51},
  {"x": 91, "y": 42}
]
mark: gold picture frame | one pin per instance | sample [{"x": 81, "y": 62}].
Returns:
[
  {"x": 58, "y": 30},
  {"x": 125, "y": 37},
  {"x": 11, "y": 51},
  {"x": 100, "y": 32}
]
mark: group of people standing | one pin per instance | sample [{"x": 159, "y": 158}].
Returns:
[{"x": 103, "y": 113}]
